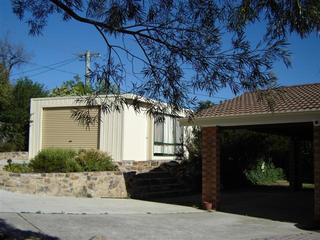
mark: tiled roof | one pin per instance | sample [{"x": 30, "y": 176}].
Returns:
[{"x": 283, "y": 99}]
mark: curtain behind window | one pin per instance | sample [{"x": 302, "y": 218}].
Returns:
[{"x": 167, "y": 136}]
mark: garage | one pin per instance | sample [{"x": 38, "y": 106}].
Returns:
[{"x": 61, "y": 130}]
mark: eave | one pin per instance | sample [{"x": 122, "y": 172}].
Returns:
[{"x": 255, "y": 119}]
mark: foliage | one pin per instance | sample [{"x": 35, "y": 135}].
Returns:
[
  {"x": 5, "y": 126},
  {"x": 55, "y": 160},
  {"x": 238, "y": 144},
  {"x": 93, "y": 160},
  {"x": 76, "y": 87},
  {"x": 18, "y": 168},
  {"x": 241, "y": 147},
  {"x": 66, "y": 160},
  {"x": 73, "y": 87},
  {"x": 182, "y": 47},
  {"x": 11, "y": 55},
  {"x": 5, "y": 89},
  {"x": 15, "y": 98},
  {"x": 281, "y": 17},
  {"x": 264, "y": 172},
  {"x": 15, "y": 113},
  {"x": 5, "y": 99},
  {"x": 12, "y": 133}
]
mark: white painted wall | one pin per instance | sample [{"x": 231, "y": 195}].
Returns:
[
  {"x": 111, "y": 129},
  {"x": 135, "y": 135}
]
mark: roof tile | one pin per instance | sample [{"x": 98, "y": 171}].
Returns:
[{"x": 283, "y": 99}]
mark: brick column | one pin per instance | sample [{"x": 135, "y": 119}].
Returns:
[
  {"x": 316, "y": 160},
  {"x": 210, "y": 167}
]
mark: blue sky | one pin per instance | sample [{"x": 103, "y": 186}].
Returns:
[{"x": 65, "y": 40}]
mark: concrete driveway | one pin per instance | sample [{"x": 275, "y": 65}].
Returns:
[{"x": 25, "y": 216}]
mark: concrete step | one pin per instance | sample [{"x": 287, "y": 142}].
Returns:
[
  {"x": 155, "y": 181},
  {"x": 153, "y": 174},
  {"x": 162, "y": 194},
  {"x": 159, "y": 188}
]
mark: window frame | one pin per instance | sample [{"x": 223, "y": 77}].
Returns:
[{"x": 174, "y": 133}]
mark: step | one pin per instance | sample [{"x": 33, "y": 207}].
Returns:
[
  {"x": 154, "y": 181},
  {"x": 155, "y": 174},
  {"x": 160, "y": 188},
  {"x": 163, "y": 194}
]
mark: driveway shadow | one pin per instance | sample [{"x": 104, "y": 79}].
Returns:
[
  {"x": 271, "y": 202},
  {"x": 275, "y": 203},
  {"x": 9, "y": 232}
]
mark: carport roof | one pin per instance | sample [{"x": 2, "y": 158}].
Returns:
[
  {"x": 284, "y": 99},
  {"x": 293, "y": 104}
]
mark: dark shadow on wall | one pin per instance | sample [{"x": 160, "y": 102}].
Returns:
[
  {"x": 9, "y": 232},
  {"x": 170, "y": 179}
]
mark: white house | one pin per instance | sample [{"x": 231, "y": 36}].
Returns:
[{"x": 125, "y": 135}]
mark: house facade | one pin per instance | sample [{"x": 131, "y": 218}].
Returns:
[{"x": 127, "y": 135}]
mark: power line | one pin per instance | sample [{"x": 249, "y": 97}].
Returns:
[
  {"x": 41, "y": 67},
  {"x": 54, "y": 69},
  {"x": 51, "y": 67}
]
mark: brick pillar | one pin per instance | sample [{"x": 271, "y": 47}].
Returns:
[
  {"x": 210, "y": 167},
  {"x": 316, "y": 160}
]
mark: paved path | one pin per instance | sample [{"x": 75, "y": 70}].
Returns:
[{"x": 119, "y": 219}]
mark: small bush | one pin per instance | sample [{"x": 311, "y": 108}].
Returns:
[
  {"x": 18, "y": 168},
  {"x": 55, "y": 160},
  {"x": 94, "y": 160},
  {"x": 264, "y": 173},
  {"x": 65, "y": 160}
]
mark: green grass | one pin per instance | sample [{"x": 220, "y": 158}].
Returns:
[{"x": 307, "y": 185}]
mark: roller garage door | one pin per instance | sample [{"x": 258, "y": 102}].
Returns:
[{"x": 60, "y": 130}]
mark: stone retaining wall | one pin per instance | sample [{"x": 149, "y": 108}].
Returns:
[
  {"x": 87, "y": 184},
  {"x": 140, "y": 166},
  {"x": 14, "y": 155}
]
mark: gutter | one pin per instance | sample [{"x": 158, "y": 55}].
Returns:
[{"x": 255, "y": 119}]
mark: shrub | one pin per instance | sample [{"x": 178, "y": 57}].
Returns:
[
  {"x": 18, "y": 168},
  {"x": 55, "y": 160},
  {"x": 65, "y": 160},
  {"x": 7, "y": 147},
  {"x": 264, "y": 173},
  {"x": 94, "y": 160}
]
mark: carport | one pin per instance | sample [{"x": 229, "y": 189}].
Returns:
[{"x": 292, "y": 111}]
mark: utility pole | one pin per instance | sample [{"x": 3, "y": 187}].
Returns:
[{"x": 87, "y": 57}]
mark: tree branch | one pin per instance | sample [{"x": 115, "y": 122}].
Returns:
[{"x": 77, "y": 17}]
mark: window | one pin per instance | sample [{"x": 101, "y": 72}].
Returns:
[{"x": 168, "y": 136}]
